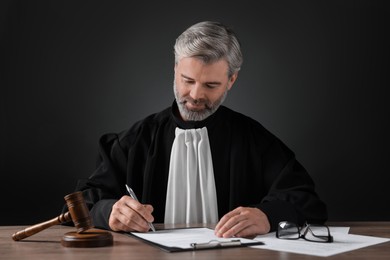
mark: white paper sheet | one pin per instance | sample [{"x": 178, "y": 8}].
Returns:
[
  {"x": 182, "y": 238},
  {"x": 343, "y": 242}
]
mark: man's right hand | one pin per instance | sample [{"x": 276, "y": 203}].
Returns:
[{"x": 129, "y": 215}]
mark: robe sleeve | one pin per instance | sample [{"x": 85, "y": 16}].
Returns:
[
  {"x": 104, "y": 187},
  {"x": 291, "y": 195}
]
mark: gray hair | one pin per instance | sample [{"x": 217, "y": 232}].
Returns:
[{"x": 210, "y": 42}]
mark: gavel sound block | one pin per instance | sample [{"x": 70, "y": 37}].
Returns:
[{"x": 85, "y": 236}]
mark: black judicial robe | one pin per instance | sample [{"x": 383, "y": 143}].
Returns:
[{"x": 252, "y": 167}]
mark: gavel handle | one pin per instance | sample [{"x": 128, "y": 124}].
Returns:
[{"x": 41, "y": 226}]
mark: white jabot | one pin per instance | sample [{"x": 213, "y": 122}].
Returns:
[{"x": 191, "y": 193}]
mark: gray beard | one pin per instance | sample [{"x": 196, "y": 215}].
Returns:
[{"x": 189, "y": 115}]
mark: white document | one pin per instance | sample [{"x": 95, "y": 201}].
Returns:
[
  {"x": 343, "y": 242},
  {"x": 183, "y": 238}
]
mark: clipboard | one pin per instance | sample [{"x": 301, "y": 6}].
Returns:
[{"x": 190, "y": 239}]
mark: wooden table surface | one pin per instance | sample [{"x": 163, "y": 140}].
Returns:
[{"x": 46, "y": 245}]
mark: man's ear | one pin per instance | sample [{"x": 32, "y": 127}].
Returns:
[{"x": 232, "y": 80}]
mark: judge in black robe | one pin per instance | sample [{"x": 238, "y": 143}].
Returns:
[
  {"x": 258, "y": 181},
  {"x": 252, "y": 168}
]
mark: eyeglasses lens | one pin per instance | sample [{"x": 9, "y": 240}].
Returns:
[
  {"x": 317, "y": 233},
  {"x": 288, "y": 230}
]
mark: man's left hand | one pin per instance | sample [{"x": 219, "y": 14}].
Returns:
[{"x": 243, "y": 222}]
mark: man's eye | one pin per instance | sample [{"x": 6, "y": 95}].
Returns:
[{"x": 211, "y": 86}]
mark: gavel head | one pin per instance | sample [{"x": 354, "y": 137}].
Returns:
[{"x": 79, "y": 211}]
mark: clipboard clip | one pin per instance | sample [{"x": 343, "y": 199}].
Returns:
[{"x": 216, "y": 244}]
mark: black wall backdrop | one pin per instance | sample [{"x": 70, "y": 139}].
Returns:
[{"x": 316, "y": 73}]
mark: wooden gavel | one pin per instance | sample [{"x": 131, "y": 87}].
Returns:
[{"x": 78, "y": 213}]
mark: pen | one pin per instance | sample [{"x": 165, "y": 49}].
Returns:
[
  {"x": 132, "y": 194},
  {"x": 216, "y": 243}
]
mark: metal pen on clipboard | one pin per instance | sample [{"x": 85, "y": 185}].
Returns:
[{"x": 216, "y": 243}]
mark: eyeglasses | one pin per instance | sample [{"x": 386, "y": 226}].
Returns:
[{"x": 310, "y": 232}]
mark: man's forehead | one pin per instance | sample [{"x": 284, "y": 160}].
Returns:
[{"x": 195, "y": 68}]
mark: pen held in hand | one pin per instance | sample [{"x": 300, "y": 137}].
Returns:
[{"x": 132, "y": 194}]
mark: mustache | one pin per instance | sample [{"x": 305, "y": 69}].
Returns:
[{"x": 200, "y": 101}]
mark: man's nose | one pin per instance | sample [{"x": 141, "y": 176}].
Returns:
[{"x": 197, "y": 92}]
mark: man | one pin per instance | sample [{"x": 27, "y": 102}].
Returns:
[{"x": 198, "y": 161}]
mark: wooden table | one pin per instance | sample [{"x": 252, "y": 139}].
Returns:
[{"x": 46, "y": 245}]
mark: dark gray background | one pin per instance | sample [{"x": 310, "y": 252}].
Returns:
[{"x": 316, "y": 73}]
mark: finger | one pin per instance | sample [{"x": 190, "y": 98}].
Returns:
[
  {"x": 248, "y": 223},
  {"x": 122, "y": 223},
  {"x": 228, "y": 221},
  {"x": 124, "y": 217},
  {"x": 144, "y": 210},
  {"x": 131, "y": 217},
  {"x": 225, "y": 219},
  {"x": 242, "y": 228},
  {"x": 233, "y": 226},
  {"x": 248, "y": 232}
]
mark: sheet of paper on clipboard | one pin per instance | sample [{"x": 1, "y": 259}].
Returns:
[{"x": 186, "y": 239}]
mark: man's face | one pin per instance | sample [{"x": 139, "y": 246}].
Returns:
[{"x": 200, "y": 88}]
